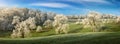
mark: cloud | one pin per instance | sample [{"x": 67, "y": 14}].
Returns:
[
  {"x": 53, "y": 5},
  {"x": 86, "y": 1},
  {"x": 97, "y": 1},
  {"x": 91, "y": 3}
]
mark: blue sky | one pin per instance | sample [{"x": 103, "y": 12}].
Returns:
[{"x": 67, "y": 7}]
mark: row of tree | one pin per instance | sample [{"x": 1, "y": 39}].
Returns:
[
  {"x": 96, "y": 21},
  {"x": 10, "y": 16},
  {"x": 22, "y": 20}
]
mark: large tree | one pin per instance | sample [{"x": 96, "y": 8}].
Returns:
[
  {"x": 93, "y": 20},
  {"x": 60, "y": 24},
  {"x": 23, "y": 28}
]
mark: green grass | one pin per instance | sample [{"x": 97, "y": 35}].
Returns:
[
  {"x": 112, "y": 27},
  {"x": 77, "y": 38},
  {"x": 5, "y": 34},
  {"x": 73, "y": 29},
  {"x": 76, "y": 35}
]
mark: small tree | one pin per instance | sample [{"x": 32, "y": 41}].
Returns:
[
  {"x": 77, "y": 22},
  {"x": 118, "y": 20},
  {"x": 39, "y": 29}
]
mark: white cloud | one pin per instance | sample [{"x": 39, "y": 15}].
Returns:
[
  {"x": 53, "y": 5},
  {"x": 97, "y": 1},
  {"x": 83, "y": 1}
]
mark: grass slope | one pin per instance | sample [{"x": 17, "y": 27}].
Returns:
[{"x": 77, "y": 38}]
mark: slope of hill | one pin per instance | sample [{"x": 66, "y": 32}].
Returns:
[{"x": 77, "y": 38}]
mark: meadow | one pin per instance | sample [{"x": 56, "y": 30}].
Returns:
[{"x": 76, "y": 35}]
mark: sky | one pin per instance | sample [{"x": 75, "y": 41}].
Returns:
[{"x": 67, "y": 7}]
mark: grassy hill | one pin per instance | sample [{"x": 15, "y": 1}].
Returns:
[{"x": 76, "y": 38}]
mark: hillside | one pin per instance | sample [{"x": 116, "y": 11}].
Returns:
[
  {"x": 19, "y": 25},
  {"x": 59, "y": 21},
  {"x": 78, "y": 38}
]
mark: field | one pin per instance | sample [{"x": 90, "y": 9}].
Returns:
[
  {"x": 76, "y": 35},
  {"x": 73, "y": 29},
  {"x": 77, "y": 38}
]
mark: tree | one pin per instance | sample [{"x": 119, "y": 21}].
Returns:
[
  {"x": 39, "y": 29},
  {"x": 9, "y": 17},
  {"x": 60, "y": 24},
  {"x": 48, "y": 24},
  {"x": 118, "y": 20},
  {"x": 63, "y": 28},
  {"x": 94, "y": 21},
  {"x": 23, "y": 28},
  {"x": 78, "y": 21}
]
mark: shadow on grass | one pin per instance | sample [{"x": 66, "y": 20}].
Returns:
[{"x": 5, "y": 34}]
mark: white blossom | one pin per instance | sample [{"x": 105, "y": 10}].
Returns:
[
  {"x": 48, "y": 24},
  {"x": 93, "y": 20},
  {"x": 23, "y": 28},
  {"x": 39, "y": 29},
  {"x": 60, "y": 24},
  {"x": 16, "y": 20}
]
